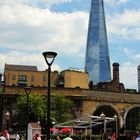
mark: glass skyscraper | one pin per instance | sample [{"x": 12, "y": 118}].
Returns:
[{"x": 97, "y": 62}]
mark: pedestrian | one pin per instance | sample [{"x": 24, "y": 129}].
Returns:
[
  {"x": 113, "y": 137},
  {"x": 6, "y": 134},
  {"x": 2, "y": 137},
  {"x": 17, "y": 136},
  {"x": 129, "y": 137},
  {"x": 138, "y": 137},
  {"x": 58, "y": 138},
  {"x": 68, "y": 137},
  {"x": 38, "y": 137}
]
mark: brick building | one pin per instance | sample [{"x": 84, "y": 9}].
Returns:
[{"x": 23, "y": 75}]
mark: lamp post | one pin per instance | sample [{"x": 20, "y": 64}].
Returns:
[
  {"x": 116, "y": 120},
  {"x": 27, "y": 91},
  {"x": 7, "y": 116},
  {"x": 104, "y": 120},
  {"x": 49, "y": 58}
]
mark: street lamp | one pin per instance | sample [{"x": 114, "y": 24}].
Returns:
[
  {"x": 116, "y": 120},
  {"x": 49, "y": 58},
  {"x": 27, "y": 91},
  {"x": 7, "y": 116}
]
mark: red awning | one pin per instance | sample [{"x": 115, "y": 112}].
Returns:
[
  {"x": 54, "y": 129},
  {"x": 66, "y": 129}
]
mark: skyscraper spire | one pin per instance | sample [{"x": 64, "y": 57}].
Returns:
[{"x": 97, "y": 62}]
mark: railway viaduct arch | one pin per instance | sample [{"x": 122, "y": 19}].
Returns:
[{"x": 125, "y": 105}]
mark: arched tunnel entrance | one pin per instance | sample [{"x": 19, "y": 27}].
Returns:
[
  {"x": 133, "y": 118},
  {"x": 109, "y": 112}
]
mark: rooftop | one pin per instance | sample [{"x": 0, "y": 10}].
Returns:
[{"x": 20, "y": 67}]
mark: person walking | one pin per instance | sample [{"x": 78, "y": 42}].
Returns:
[
  {"x": 2, "y": 137},
  {"x": 68, "y": 137},
  {"x": 6, "y": 134},
  {"x": 138, "y": 137},
  {"x": 37, "y": 137},
  {"x": 17, "y": 136},
  {"x": 58, "y": 138}
]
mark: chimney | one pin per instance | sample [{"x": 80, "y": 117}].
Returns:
[
  {"x": 116, "y": 72},
  {"x": 0, "y": 79}
]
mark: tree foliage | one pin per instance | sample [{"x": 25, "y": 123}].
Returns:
[
  {"x": 61, "y": 108},
  {"x": 36, "y": 107},
  {"x": 138, "y": 128}
]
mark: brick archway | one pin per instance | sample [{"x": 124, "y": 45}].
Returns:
[
  {"x": 131, "y": 117},
  {"x": 105, "y": 106},
  {"x": 109, "y": 110}
]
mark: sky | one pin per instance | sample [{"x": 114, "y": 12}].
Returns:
[{"x": 30, "y": 27}]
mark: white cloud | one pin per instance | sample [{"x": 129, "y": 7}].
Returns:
[
  {"x": 125, "y": 25},
  {"x": 132, "y": 55},
  {"x": 128, "y": 75},
  {"x": 22, "y": 58},
  {"x": 122, "y": 1},
  {"x": 115, "y": 2},
  {"x": 36, "y": 28},
  {"x": 33, "y": 3},
  {"x": 128, "y": 69},
  {"x": 51, "y": 2},
  {"x": 110, "y": 2}
]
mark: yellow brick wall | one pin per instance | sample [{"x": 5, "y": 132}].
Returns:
[
  {"x": 38, "y": 77},
  {"x": 74, "y": 79}
]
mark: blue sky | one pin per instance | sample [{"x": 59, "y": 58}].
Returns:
[{"x": 30, "y": 27}]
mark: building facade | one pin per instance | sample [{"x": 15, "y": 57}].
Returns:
[
  {"x": 97, "y": 62},
  {"x": 75, "y": 79},
  {"x": 138, "y": 70},
  {"x": 23, "y": 75}
]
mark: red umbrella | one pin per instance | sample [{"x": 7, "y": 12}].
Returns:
[{"x": 66, "y": 129}]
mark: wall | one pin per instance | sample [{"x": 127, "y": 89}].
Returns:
[
  {"x": 40, "y": 77},
  {"x": 74, "y": 79},
  {"x": 88, "y": 101}
]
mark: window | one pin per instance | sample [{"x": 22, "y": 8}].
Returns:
[
  {"x": 44, "y": 78},
  {"x": 32, "y": 78},
  {"x": 13, "y": 77},
  {"x": 22, "y": 80},
  {"x": 22, "y": 77}
]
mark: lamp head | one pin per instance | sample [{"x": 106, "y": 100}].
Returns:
[
  {"x": 115, "y": 117},
  {"x": 49, "y": 57},
  {"x": 102, "y": 116},
  {"x": 27, "y": 90}
]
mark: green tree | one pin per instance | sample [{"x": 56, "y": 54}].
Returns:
[
  {"x": 138, "y": 128},
  {"x": 61, "y": 108},
  {"x": 36, "y": 107}
]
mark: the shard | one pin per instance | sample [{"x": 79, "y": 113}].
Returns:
[{"x": 97, "y": 61}]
